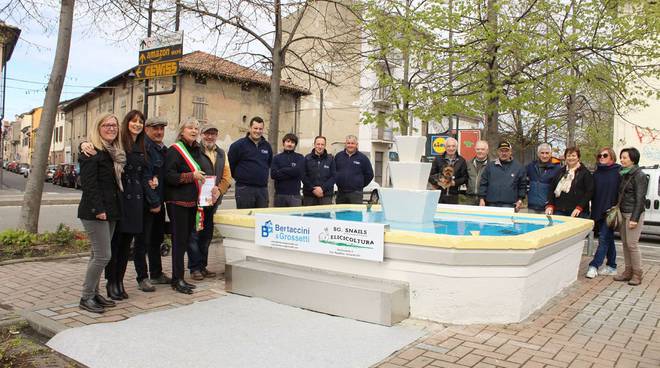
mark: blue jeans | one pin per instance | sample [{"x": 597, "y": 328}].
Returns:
[
  {"x": 606, "y": 246},
  {"x": 198, "y": 246}
]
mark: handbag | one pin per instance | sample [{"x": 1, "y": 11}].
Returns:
[{"x": 613, "y": 216}]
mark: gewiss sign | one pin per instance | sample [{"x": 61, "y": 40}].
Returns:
[{"x": 324, "y": 236}]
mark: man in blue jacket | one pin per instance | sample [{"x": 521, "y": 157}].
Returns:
[
  {"x": 539, "y": 175},
  {"x": 354, "y": 172},
  {"x": 287, "y": 170},
  {"x": 249, "y": 159},
  {"x": 320, "y": 175},
  {"x": 503, "y": 180}
]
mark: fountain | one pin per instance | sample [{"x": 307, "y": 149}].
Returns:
[
  {"x": 405, "y": 258},
  {"x": 408, "y": 200}
]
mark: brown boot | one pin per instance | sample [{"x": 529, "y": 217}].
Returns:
[
  {"x": 636, "y": 278},
  {"x": 625, "y": 276}
]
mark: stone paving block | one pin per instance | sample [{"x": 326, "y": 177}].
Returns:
[
  {"x": 419, "y": 362},
  {"x": 410, "y": 354},
  {"x": 470, "y": 360},
  {"x": 441, "y": 357},
  {"x": 460, "y": 351}
]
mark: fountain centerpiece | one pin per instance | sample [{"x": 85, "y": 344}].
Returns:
[{"x": 408, "y": 200}]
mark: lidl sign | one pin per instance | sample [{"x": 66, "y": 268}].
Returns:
[{"x": 438, "y": 144}]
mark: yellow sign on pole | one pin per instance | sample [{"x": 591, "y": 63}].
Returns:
[
  {"x": 157, "y": 70},
  {"x": 438, "y": 144}
]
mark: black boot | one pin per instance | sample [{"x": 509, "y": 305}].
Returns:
[
  {"x": 113, "y": 290},
  {"x": 104, "y": 302},
  {"x": 181, "y": 287},
  {"x": 188, "y": 285},
  {"x": 122, "y": 291},
  {"x": 91, "y": 305}
]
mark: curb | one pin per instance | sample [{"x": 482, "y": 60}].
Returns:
[
  {"x": 42, "y": 325},
  {"x": 45, "y": 202},
  {"x": 43, "y": 259}
]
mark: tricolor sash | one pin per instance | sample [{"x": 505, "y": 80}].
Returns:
[{"x": 193, "y": 166}]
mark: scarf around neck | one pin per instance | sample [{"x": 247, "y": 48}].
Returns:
[
  {"x": 119, "y": 160},
  {"x": 626, "y": 170},
  {"x": 564, "y": 185}
]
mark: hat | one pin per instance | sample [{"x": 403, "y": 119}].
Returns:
[
  {"x": 155, "y": 121},
  {"x": 504, "y": 144},
  {"x": 207, "y": 127}
]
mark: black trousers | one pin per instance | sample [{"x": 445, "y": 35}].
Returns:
[
  {"x": 251, "y": 197},
  {"x": 312, "y": 200},
  {"x": 349, "y": 198},
  {"x": 148, "y": 246},
  {"x": 120, "y": 248},
  {"x": 182, "y": 220}
]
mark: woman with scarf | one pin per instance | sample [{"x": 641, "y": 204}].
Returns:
[
  {"x": 632, "y": 189},
  {"x": 571, "y": 189},
  {"x": 183, "y": 182},
  {"x": 606, "y": 189},
  {"x": 99, "y": 208}
]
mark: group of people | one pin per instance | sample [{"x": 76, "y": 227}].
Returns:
[
  {"x": 553, "y": 189},
  {"x": 130, "y": 178}
]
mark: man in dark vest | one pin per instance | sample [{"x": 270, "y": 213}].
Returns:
[
  {"x": 320, "y": 175},
  {"x": 287, "y": 170},
  {"x": 213, "y": 162}
]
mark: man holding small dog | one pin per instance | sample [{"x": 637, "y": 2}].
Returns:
[{"x": 449, "y": 172}]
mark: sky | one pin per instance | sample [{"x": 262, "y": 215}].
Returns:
[{"x": 94, "y": 58}]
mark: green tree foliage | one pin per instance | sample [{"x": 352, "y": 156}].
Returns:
[{"x": 525, "y": 66}]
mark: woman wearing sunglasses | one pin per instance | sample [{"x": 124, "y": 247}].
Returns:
[{"x": 606, "y": 188}]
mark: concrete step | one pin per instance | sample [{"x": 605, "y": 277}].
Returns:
[{"x": 384, "y": 302}]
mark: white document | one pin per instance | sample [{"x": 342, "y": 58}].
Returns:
[{"x": 205, "y": 195}]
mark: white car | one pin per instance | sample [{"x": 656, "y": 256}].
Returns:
[{"x": 652, "y": 205}]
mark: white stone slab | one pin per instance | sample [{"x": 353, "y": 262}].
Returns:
[{"x": 233, "y": 331}]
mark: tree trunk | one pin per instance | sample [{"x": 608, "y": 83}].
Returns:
[
  {"x": 275, "y": 78},
  {"x": 492, "y": 92},
  {"x": 35, "y": 182},
  {"x": 571, "y": 118}
]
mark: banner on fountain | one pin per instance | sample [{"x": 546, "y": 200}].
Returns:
[{"x": 325, "y": 236}]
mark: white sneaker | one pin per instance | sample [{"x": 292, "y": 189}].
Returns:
[
  {"x": 591, "y": 272},
  {"x": 607, "y": 271}
]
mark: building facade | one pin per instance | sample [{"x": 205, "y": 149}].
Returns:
[{"x": 209, "y": 88}]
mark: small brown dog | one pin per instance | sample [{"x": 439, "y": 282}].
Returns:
[{"x": 447, "y": 179}]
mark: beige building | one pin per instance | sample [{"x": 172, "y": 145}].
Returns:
[
  {"x": 212, "y": 89},
  {"x": 640, "y": 128},
  {"x": 24, "y": 121}
]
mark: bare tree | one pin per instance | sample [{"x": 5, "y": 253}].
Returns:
[{"x": 35, "y": 183}]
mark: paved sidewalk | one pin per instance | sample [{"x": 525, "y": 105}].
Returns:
[
  {"x": 50, "y": 292},
  {"x": 594, "y": 323}
]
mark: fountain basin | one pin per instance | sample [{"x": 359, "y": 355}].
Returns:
[{"x": 467, "y": 278}]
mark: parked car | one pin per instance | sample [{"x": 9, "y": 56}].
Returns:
[
  {"x": 23, "y": 169},
  {"x": 50, "y": 172},
  {"x": 12, "y": 166},
  {"x": 652, "y": 205}
]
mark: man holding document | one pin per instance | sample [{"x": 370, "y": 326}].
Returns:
[{"x": 213, "y": 162}]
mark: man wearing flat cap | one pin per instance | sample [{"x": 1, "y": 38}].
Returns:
[
  {"x": 213, "y": 162},
  {"x": 503, "y": 181},
  {"x": 154, "y": 217}
]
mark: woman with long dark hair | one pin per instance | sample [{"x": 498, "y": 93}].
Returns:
[
  {"x": 132, "y": 200},
  {"x": 183, "y": 179},
  {"x": 99, "y": 208},
  {"x": 632, "y": 189}
]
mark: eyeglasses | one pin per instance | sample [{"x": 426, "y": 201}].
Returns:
[
  {"x": 603, "y": 155},
  {"x": 109, "y": 126}
]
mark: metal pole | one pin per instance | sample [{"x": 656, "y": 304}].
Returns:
[
  {"x": 321, "y": 114},
  {"x": 146, "y": 81}
]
